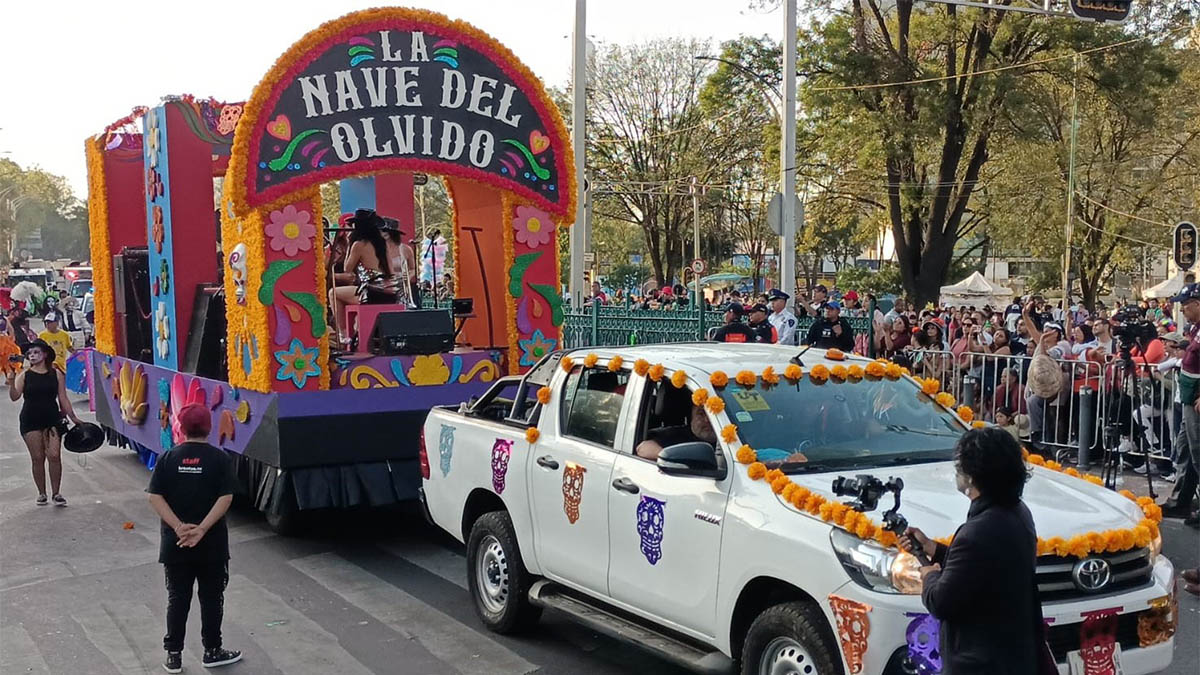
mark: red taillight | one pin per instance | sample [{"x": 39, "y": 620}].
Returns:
[{"x": 423, "y": 456}]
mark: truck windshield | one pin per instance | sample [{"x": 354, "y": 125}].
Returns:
[{"x": 834, "y": 426}]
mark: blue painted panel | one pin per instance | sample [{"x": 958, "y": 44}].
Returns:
[{"x": 163, "y": 323}]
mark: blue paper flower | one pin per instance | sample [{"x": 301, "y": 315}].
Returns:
[
  {"x": 537, "y": 346},
  {"x": 296, "y": 363}
]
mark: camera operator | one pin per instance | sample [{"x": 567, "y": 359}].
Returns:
[
  {"x": 1180, "y": 502},
  {"x": 982, "y": 587}
]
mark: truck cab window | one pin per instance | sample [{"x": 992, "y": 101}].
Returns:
[{"x": 591, "y": 405}]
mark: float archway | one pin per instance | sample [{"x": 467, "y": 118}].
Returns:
[{"x": 393, "y": 90}]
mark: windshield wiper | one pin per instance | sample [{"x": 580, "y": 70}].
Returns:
[
  {"x": 802, "y": 467},
  {"x": 909, "y": 459},
  {"x": 925, "y": 432}
]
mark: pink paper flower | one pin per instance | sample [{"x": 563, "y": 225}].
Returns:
[
  {"x": 290, "y": 230},
  {"x": 533, "y": 227}
]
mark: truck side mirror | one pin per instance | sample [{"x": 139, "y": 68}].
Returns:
[{"x": 696, "y": 458}]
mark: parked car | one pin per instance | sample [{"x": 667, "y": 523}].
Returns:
[{"x": 691, "y": 558}]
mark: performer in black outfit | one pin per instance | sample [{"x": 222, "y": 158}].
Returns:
[{"x": 43, "y": 391}]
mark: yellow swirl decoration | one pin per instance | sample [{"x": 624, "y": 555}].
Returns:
[
  {"x": 489, "y": 372},
  {"x": 102, "y": 281},
  {"x": 361, "y": 378}
]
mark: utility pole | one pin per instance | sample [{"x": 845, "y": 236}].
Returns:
[
  {"x": 1066, "y": 273},
  {"x": 787, "y": 154},
  {"x": 695, "y": 240},
  {"x": 579, "y": 232}
]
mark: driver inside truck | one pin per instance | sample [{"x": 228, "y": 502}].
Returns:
[{"x": 697, "y": 429}]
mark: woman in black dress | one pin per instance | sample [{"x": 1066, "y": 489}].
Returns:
[{"x": 44, "y": 392}]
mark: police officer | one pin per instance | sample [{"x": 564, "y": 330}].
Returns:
[
  {"x": 782, "y": 318},
  {"x": 764, "y": 332},
  {"x": 832, "y": 330},
  {"x": 734, "y": 330}
]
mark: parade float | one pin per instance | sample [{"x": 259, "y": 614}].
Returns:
[{"x": 226, "y": 303}]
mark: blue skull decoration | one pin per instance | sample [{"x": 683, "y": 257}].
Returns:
[
  {"x": 650, "y": 521},
  {"x": 924, "y": 650},
  {"x": 446, "y": 448}
]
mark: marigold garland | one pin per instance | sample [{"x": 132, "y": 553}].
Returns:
[
  {"x": 656, "y": 371},
  {"x": 567, "y": 363},
  {"x": 839, "y": 373},
  {"x": 532, "y": 434},
  {"x": 746, "y": 455},
  {"x": 769, "y": 376},
  {"x": 641, "y": 367},
  {"x": 679, "y": 379},
  {"x": 892, "y": 371},
  {"x": 756, "y": 470},
  {"x": 978, "y": 424},
  {"x": 819, "y": 374},
  {"x": 946, "y": 400},
  {"x": 793, "y": 372},
  {"x": 591, "y": 360},
  {"x": 715, "y": 405},
  {"x": 699, "y": 397},
  {"x": 102, "y": 282},
  {"x": 729, "y": 433},
  {"x": 718, "y": 379},
  {"x": 876, "y": 369},
  {"x": 930, "y": 386},
  {"x": 965, "y": 413},
  {"x": 746, "y": 378},
  {"x": 855, "y": 373},
  {"x": 543, "y": 395},
  {"x": 615, "y": 363}
]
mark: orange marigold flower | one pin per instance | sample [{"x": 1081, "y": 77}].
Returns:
[
  {"x": 978, "y": 424},
  {"x": 718, "y": 379},
  {"x": 699, "y": 397},
  {"x": 678, "y": 379},
  {"x": 839, "y": 512},
  {"x": 887, "y": 538},
  {"x": 544, "y": 395},
  {"x": 835, "y": 355},
  {"x": 826, "y": 511},
  {"x": 802, "y": 493},
  {"x": 892, "y": 371},
  {"x": 814, "y": 503},
  {"x": 876, "y": 368},
  {"x": 865, "y": 529},
  {"x": 838, "y": 372},
  {"x": 819, "y": 374},
  {"x": 1079, "y": 546},
  {"x": 780, "y": 483},
  {"x": 850, "y": 519},
  {"x": 756, "y": 471},
  {"x": 965, "y": 413},
  {"x": 1094, "y": 480},
  {"x": 1037, "y": 460},
  {"x": 1056, "y": 545},
  {"x": 793, "y": 372},
  {"x": 532, "y": 434},
  {"x": 729, "y": 433},
  {"x": 788, "y": 491},
  {"x": 945, "y": 399},
  {"x": 855, "y": 372},
  {"x": 769, "y": 375},
  {"x": 615, "y": 363},
  {"x": 930, "y": 386},
  {"x": 746, "y": 378},
  {"x": 1128, "y": 494},
  {"x": 567, "y": 363},
  {"x": 641, "y": 366},
  {"x": 773, "y": 474},
  {"x": 1053, "y": 465},
  {"x": 1071, "y": 471},
  {"x": 656, "y": 372},
  {"x": 746, "y": 455},
  {"x": 591, "y": 360},
  {"x": 715, "y": 405}
]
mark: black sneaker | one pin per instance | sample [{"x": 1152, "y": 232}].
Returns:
[
  {"x": 42, "y": 501},
  {"x": 59, "y": 500},
  {"x": 174, "y": 662},
  {"x": 220, "y": 657}
]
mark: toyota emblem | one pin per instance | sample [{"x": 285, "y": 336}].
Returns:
[{"x": 1091, "y": 574}]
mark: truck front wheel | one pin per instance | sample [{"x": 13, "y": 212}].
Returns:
[
  {"x": 790, "y": 638},
  {"x": 496, "y": 577}
]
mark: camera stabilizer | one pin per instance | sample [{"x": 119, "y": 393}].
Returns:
[{"x": 867, "y": 489}]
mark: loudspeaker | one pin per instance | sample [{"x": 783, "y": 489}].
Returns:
[{"x": 421, "y": 331}]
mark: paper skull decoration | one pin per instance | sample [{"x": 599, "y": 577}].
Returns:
[
  {"x": 924, "y": 652},
  {"x": 446, "y": 448},
  {"x": 1098, "y": 642},
  {"x": 572, "y": 488},
  {"x": 228, "y": 120},
  {"x": 853, "y": 629},
  {"x": 237, "y": 272},
  {"x": 501, "y": 451},
  {"x": 650, "y": 520}
]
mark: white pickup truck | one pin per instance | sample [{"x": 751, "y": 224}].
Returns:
[{"x": 700, "y": 558}]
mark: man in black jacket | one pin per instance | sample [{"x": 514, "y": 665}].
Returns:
[
  {"x": 734, "y": 330},
  {"x": 832, "y": 330},
  {"x": 982, "y": 587}
]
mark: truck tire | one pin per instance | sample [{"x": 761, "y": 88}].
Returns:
[
  {"x": 496, "y": 576},
  {"x": 790, "y": 638}
]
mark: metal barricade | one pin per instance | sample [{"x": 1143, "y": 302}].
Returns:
[{"x": 1138, "y": 410}]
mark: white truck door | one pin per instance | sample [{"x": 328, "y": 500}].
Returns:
[
  {"x": 665, "y": 532},
  {"x": 569, "y": 476}
]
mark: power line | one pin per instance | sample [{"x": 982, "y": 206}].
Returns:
[
  {"x": 1122, "y": 236},
  {"x": 1122, "y": 213}
]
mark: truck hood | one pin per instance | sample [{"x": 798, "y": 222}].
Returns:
[{"x": 1062, "y": 505}]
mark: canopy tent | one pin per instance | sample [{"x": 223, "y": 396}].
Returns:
[
  {"x": 975, "y": 290},
  {"x": 1166, "y": 289}
]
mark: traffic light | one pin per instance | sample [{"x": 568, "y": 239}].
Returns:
[{"x": 1101, "y": 10}]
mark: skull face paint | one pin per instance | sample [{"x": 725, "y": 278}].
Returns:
[
  {"x": 572, "y": 489},
  {"x": 445, "y": 448},
  {"x": 501, "y": 452},
  {"x": 923, "y": 637},
  {"x": 237, "y": 272},
  {"x": 651, "y": 518}
]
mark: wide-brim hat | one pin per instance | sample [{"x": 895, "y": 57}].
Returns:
[
  {"x": 51, "y": 355},
  {"x": 83, "y": 437},
  {"x": 366, "y": 216}
]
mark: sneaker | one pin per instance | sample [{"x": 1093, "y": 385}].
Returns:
[
  {"x": 60, "y": 500},
  {"x": 42, "y": 501},
  {"x": 220, "y": 657},
  {"x": 174, "y": 662},
  {"x": 1170, "y": 477},
  {"x": 1147, "y": 466}
]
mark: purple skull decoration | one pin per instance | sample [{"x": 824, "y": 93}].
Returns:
[
  {"x": 446, "y": 448},
  {"x": 924, "y": 650},
  {"x": 501, "y": 452},
  {"x": 650, "y": 521}
]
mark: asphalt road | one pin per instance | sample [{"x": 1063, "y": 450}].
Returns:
[{"x": 369, "y": 592}]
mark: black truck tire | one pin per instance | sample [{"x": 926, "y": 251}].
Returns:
[
  {"x": 496, "y": 576},
  {"x": 793, "y": 636}
]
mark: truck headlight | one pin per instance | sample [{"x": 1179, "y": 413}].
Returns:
[
  {"x": 1155, "y": 547},
  {"x": 872, "y": 566}
]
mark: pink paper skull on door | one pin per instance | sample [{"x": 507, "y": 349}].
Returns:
[
  {"x": 572, "y": 488},
  {"x": 501, "y": 452}
]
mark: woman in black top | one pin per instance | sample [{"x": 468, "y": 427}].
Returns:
[
  {"x": 44, "y": 390},
  {"x": 982, "y": 587}
]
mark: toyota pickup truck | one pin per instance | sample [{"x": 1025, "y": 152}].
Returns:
[{"x": 626, "y": 488}]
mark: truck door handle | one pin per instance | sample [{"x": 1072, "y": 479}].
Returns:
[
  {"x": 625, "y": 485},
  {"x": 547, "y": 461}
]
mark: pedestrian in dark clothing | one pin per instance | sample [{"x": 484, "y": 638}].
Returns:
[
  {"x": 191, "y": 489},
  {"x": 764, "y": 332},
  {"x": 734, "y": 330},
  {"x": 982, "y": 586},
  {"x": 832, "y": 330}
]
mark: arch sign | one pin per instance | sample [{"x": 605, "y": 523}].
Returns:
[{"x": 393, "y": 90}]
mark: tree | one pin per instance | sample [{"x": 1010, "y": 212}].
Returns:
[{"x": 32, "y": 200}]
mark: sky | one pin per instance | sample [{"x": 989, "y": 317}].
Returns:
[{"x": 68, "y": 68}]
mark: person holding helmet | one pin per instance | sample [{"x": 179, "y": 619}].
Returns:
[
  {"x": 831, "y": 331},
  {"x": 42, "y": 390}
]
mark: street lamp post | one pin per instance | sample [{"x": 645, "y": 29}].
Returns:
[{"x": 787, "y": 158}]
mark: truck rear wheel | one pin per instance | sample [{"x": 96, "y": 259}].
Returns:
[
  {"x": 496, "y": 577},
  {"x": 790, "y": 638}
]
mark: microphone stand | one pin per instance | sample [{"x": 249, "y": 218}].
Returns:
[{"x": 433, "y": 264}]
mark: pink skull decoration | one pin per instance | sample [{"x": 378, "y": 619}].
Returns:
[
  {"x": 228, "y": 120},
  {"x": 572, "y": 488},
  {"x": 1098, "y": 642},
  {"x": 501, "y": 452}
]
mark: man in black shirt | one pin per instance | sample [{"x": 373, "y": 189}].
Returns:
[
  {"x": 832, "y": 330},
  {"x": 764, "y": 332},
  {"x": 734, "y": 330},
  {"x": 191, "y": 489}
]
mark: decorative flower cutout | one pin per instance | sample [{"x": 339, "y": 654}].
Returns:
[
  {"x": 290, "y": 230},
  {"x": 428, "y": 369},
  {"x": 537, "y": 346},
  {"x": 296, "y": 363},
  {"x": 533, "y": 227},
  {"x": 157, "y": 232}
]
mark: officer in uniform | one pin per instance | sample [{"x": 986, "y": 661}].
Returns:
[
  {"x": 764, "y": 332},
  {"x": 782, "y": 318},
  {"x": 734, "y": 330},
  {"x": 832, "y": 330}
]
